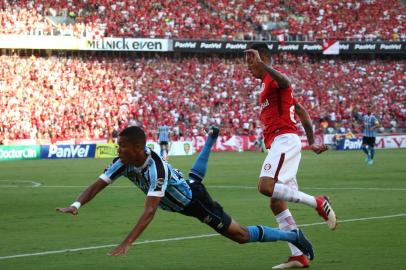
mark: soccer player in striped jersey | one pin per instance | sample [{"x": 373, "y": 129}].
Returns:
[
  {"x": 369, "y": 135},
  {"x": 278, "y": 173},
  {"x": 166, "y": 188},
  {"x": 163, "y": 139}
]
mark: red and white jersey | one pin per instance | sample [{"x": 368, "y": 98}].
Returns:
[{"x": 277, "y": 110}]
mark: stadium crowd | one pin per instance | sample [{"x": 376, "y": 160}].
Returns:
[
  {"x": 56, "y": 98},
  {"x": 298, "y": 20},
  {"x": 348, "y": 19}
]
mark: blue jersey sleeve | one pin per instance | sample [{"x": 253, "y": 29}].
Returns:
[
  {"x": 159, "y": 175},
  {"x": 113, "y": 171}
]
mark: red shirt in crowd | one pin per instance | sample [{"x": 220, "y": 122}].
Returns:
[{"x": 277, "y": 110}]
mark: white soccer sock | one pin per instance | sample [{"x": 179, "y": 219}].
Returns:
[
  {"x": 287, "y": 223},
  {"x": 288, "y": 194}
]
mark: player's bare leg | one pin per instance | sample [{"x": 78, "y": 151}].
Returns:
[{"x": 269, "y": 187}]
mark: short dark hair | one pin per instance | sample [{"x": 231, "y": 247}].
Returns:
[
  {"x": 261, "y": 47},
  {"x": 135, "y": 134}
]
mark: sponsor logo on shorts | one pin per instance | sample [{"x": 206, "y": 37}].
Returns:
[{"x": 267, "y": 167}]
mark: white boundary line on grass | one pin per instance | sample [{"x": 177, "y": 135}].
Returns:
[
  {"x": 180, "y": 238},
  {"x": 37, "y": 184},
  {"x": 323, "y": 188},
  {"x": 33, "y": 183}
]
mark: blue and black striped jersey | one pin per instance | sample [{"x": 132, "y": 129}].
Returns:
[
  {"x": 369, "y": 122},
  {"x": 155, "y": 178},
  {"x": 163, "y": 133}
]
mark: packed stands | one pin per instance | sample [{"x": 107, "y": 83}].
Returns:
[
  {"x": 23, "y": 22},
  {"x": 349, "y": 19},
  {"x": 89, "y": 97},
  {"x": 298, "y": 20}
]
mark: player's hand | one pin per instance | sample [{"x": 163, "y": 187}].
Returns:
[
  {"x": 252, "y": 56},
  {"x": 71, "y": 209},
  {"x": 318, "y": 148},
  {"x": 120, "y": 249}
]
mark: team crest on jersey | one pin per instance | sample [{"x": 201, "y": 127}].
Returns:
[{"x": 267, "y": 167}]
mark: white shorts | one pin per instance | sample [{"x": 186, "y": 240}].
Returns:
[{"x": 283, "y": 159}]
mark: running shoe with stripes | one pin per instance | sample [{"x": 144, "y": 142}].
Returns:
[
  {"x": 300, "y": 261},
  {"x": 326, "y": 211}
]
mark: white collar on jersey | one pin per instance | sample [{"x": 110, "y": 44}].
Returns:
[{"x": 148, "y": 152}]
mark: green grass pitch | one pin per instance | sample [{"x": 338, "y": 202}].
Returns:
[{"x": 370, "y": 202}]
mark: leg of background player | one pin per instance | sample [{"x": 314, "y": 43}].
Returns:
[
  {"x": 371, "y": 155},
  {"x": 162, "y": 152},
  {"x": 372, "y": 150},
  {"x": 367, "y": 150}
]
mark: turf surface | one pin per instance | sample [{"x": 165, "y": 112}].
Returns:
[{"x": 369, "y": 200}]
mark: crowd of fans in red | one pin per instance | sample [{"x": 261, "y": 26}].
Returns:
[
  {"x": 210, "y": 19},
  {"x": 59, "y": 98},
  {"x": 360, "y": 20}
]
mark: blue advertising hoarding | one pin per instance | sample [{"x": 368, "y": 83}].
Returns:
[
  {"x": 68, "y": 151},
  {"x": 349, "y": 144}
]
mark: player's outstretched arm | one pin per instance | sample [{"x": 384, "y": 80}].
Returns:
[
  {"x": 307, "y": 125},
  {"x": 84, "y": 197},
  {"x": 254, "y": 58},
  {"x": 151, "y": 205}
]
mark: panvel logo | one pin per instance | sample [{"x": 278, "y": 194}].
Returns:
[
  {"x": 207, "y": 45},
  {"x": 365, "y": 47},
  {"x": 395, "y": 47},
  {"x": 71, "y": 151},
  {"x": 312, "y": 47},
  {"x": 185, "y": 45},
  {"x": 291, "y": 47},
  {"x": 236, "y": 46},
  {"x": 352, "y": 144}
]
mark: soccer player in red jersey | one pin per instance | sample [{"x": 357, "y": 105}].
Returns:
[{"x": 278, "y": 173}]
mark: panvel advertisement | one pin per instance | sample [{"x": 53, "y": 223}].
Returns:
[{"x": 68, "y": 151}]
